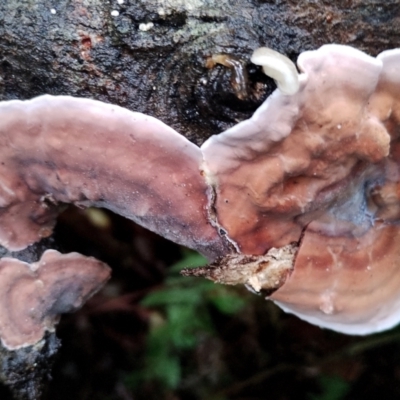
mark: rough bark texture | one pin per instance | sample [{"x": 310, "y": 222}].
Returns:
[
  {"x": 152, "y": 58},
  {"x": 26, "y": 371},
  {"x": 83, "y": 50},
  {"x": 32, "y": 253}
]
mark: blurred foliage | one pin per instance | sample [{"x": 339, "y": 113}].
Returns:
[
  {"x": 181, "y": 319},
  {"x": 332, "y": 388}
]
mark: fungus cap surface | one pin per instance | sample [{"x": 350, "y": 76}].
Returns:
[
  {"x": 57, "y": 150},
  {"x": 321, "y": 168},
  {"x": 32, "y": 296}
]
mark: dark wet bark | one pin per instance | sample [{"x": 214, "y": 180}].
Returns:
[
  {"x": 152, "y": 58},
  {"x": 83, "y": 50},
  {"x": 25, "y": 372}
]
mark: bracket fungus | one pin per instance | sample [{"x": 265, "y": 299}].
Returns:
[
  {"x": 32, "y": 296},
  {"x": 320, "y": 168},
  {"x": 300, "y": 202},
  {"x": 57, "y": 150}
]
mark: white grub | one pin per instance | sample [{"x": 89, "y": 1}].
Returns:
[
  {"x": 114, "y": 13},
  {"x": 53, "y": 11},
  {"x": 145, "y": 26},
  {"x": 278, "y": 67}
]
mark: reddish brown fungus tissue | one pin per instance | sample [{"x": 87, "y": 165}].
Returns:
[
  {"x": 32, "y": 296},
  {"x": 301, "y": 201}
]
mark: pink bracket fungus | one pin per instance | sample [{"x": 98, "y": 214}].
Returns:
[
  {"x": 320, "y": 168},
  {"x": 300, "y": 202},
  {"x": 32, "y": 296},
  {"x": 57, "y": 150}
]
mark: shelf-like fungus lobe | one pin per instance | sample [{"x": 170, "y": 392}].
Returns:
[
  {"x": 32, "y": 296},
  {"x": 321, "y": 168},
  {"x": 57, "y": 150}
]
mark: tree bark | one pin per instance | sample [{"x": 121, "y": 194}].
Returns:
[{"x": 152, "y": 56}]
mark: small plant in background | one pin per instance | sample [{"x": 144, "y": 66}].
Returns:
[
  {"x": 182, "y": 314},
  {"x": 214, "y": 342},
  {"x": 331, "y": 388}
]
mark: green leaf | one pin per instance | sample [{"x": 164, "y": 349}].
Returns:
[
  {"x": 332, "y": 388},
  {"x": 186, "y": 324},
  {"x": 190, "y": 259},
  {"x": 228, "y": 303},
  {"x": 166, "y": 369},
  {"x": 184, "y": 304},
  {"x": 172, "y": 295}
]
